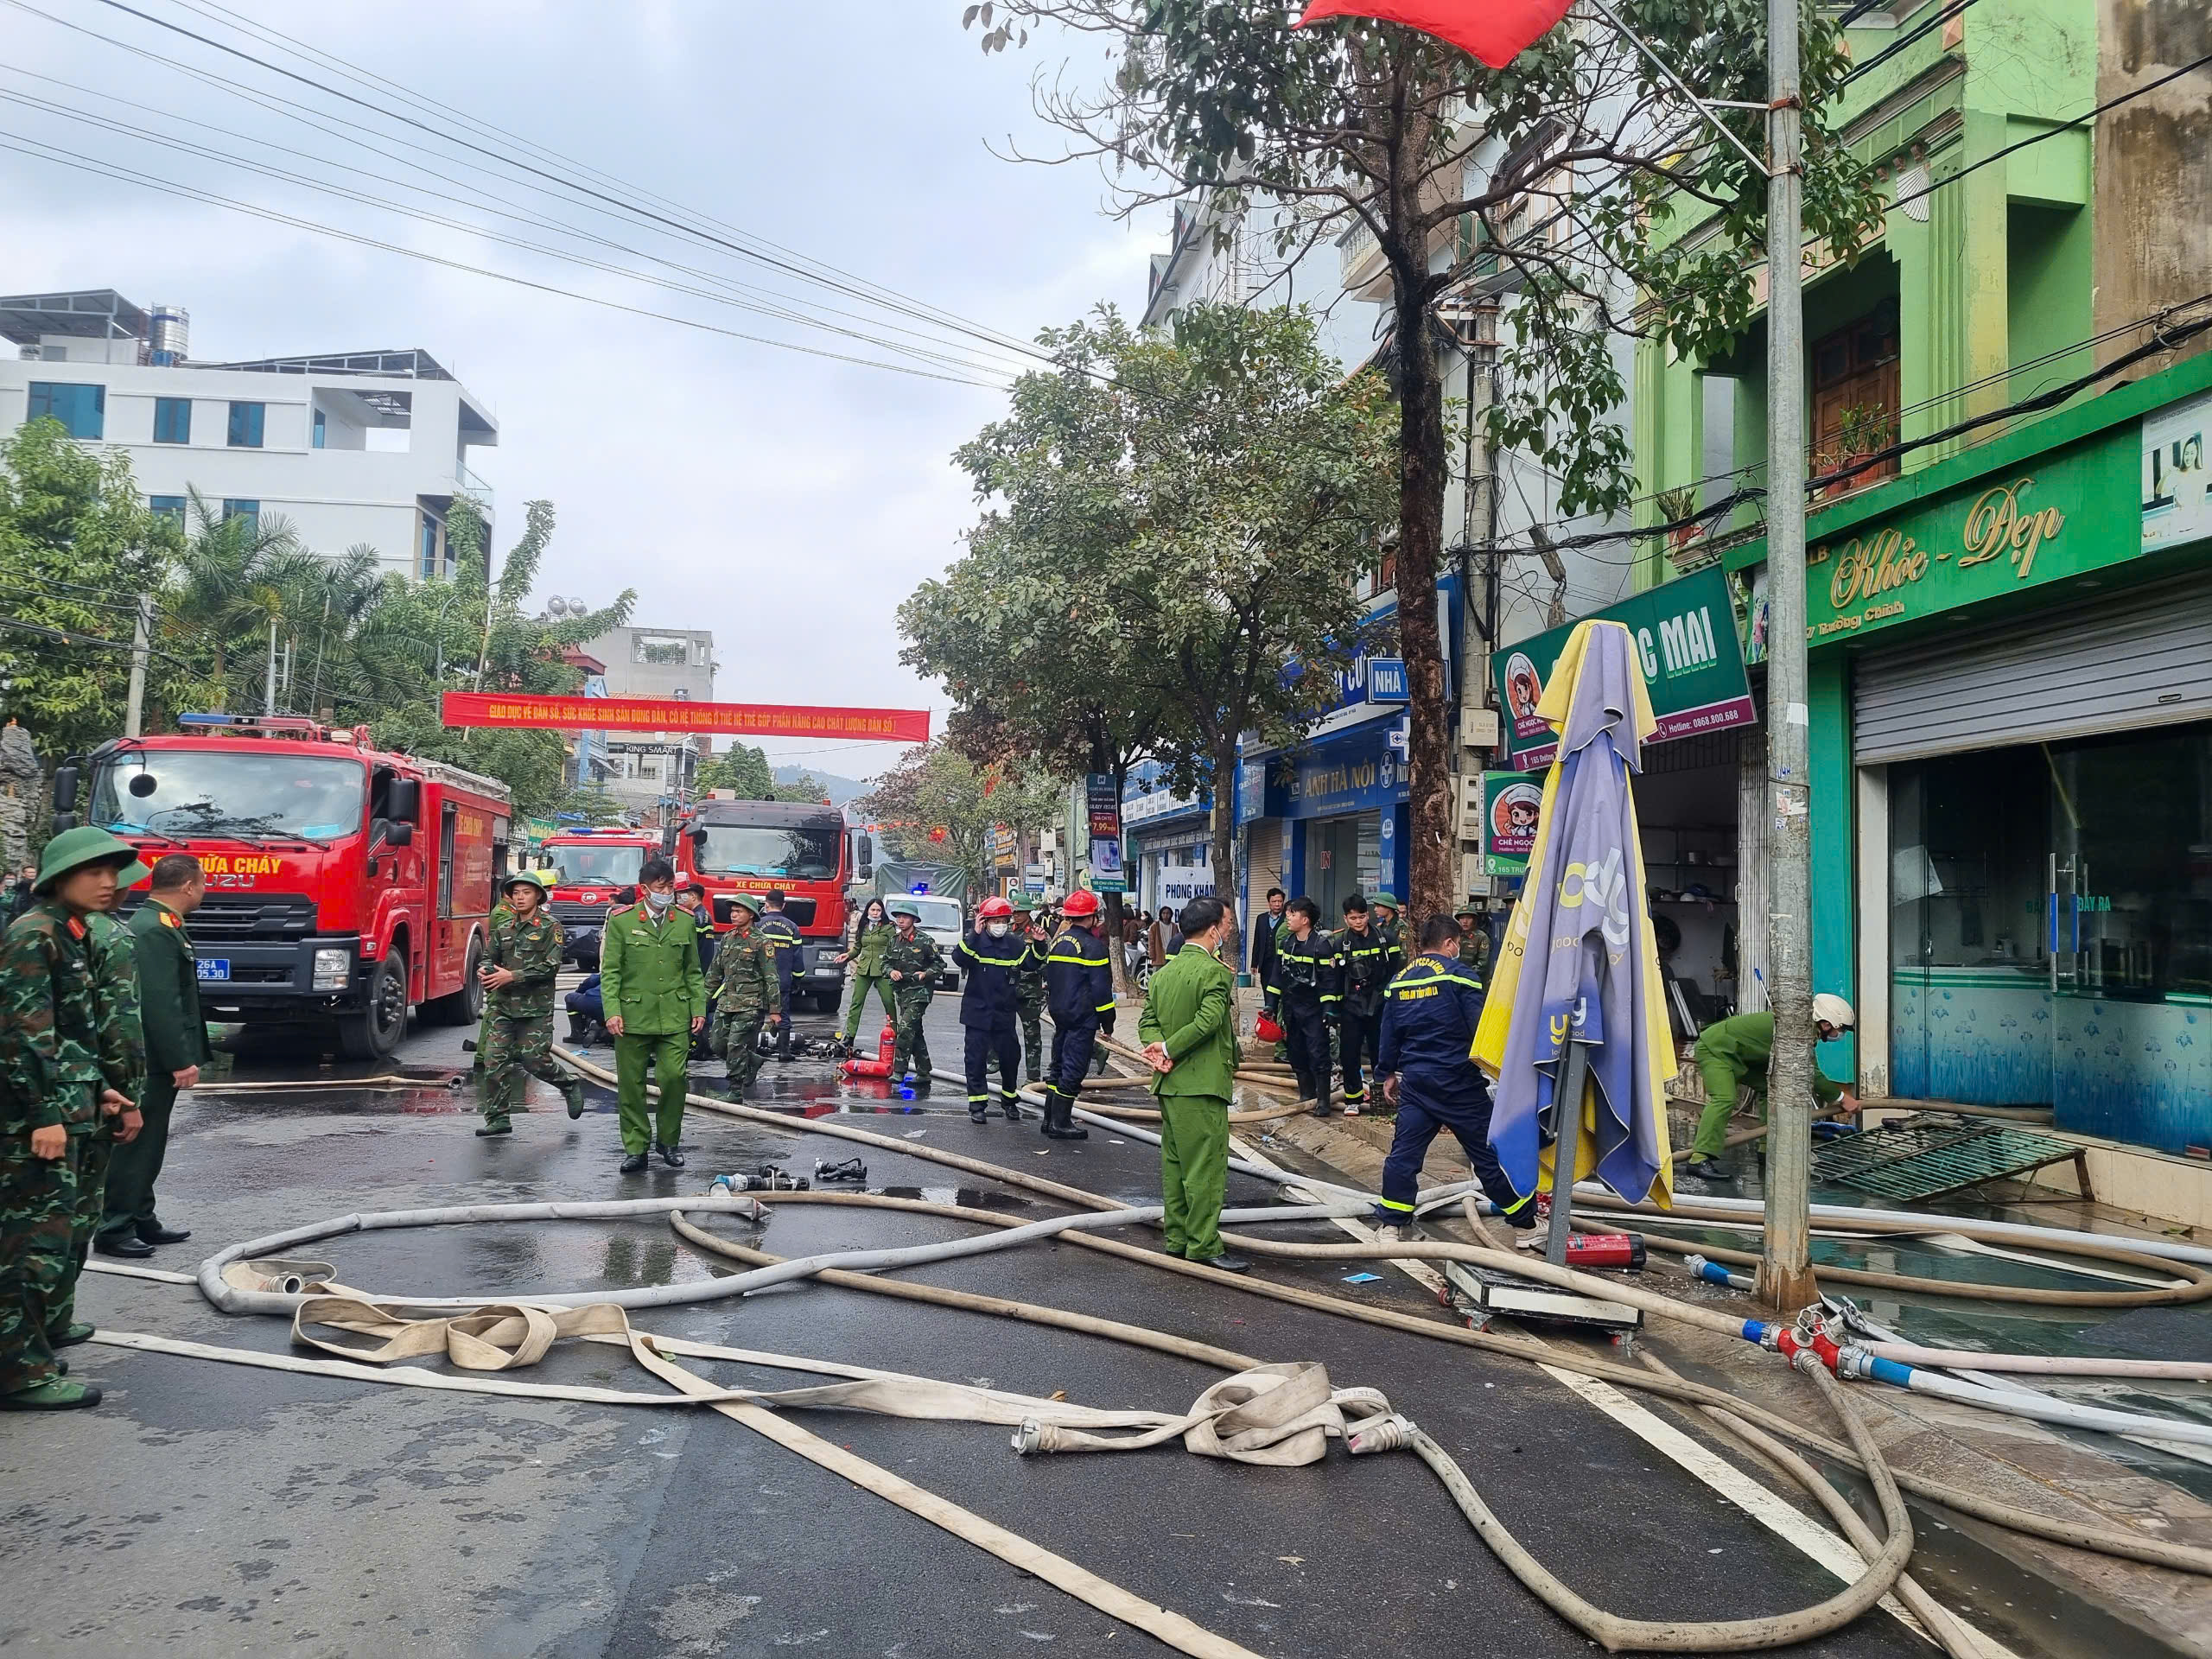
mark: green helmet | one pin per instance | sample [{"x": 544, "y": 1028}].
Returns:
[
  {"x": 900, "y": 907},
  {"x": 750, "y": 902},
  {"x": 1386, "y": 901},
  {"x": 88, "y": 844},
  {"x": 1468, "y": 913},
  {"x": 541, "y": 879}
]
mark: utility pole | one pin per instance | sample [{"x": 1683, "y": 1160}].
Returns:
[
  {"x": 1785, "y": 1278},
  {"x": 269, "y": 681},
  {"x": 141, "y": 639}
]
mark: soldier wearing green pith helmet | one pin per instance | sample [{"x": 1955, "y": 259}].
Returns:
[
  {"x": 520, "y": 965},
  {"x": 56, "y": 1048}
]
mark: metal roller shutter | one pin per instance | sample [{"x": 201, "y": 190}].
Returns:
[{"x": 2144, "y": 659}]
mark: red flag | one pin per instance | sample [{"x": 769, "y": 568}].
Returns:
[{"x": 1497, "y": 31}]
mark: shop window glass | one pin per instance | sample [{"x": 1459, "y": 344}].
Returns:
[{"x": 1968, "y": 859}]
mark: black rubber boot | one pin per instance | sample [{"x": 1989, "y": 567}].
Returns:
[{"x": 1008, "y": 1104}]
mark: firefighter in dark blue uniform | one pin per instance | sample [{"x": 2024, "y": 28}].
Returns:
[
  {"x": 1079, "y": 995},
  {"x": 1370, "y": 958},
  {"x": 1306, "y": 985},
  {"x": 780, "y": 931},
  {"x": 992, "y": 956},
  {"x": 1428, "y": 1030}
]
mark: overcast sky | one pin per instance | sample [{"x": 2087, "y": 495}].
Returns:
[{"x": 787, "y": 502}]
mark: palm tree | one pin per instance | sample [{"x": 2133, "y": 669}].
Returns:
[{"x": 227, "y": 578}]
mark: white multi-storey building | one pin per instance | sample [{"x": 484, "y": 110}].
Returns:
[{"x": 367, "y": 447}]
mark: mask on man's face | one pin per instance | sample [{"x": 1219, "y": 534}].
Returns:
[
  {"x": 658, "y": 902},
  {"x": 998, "y": 930}
]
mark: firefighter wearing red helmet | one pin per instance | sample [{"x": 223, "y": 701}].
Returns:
[
  {"x": 993, "y": 957},
  {"x": 1079, "y": 991}
]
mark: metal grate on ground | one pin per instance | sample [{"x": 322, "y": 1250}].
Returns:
[{"x": 1928, "y": 1155}]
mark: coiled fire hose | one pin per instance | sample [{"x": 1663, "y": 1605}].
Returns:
[{"x": 1611, "y": 1631}]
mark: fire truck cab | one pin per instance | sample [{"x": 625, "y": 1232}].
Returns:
[
  {"x": 346, "y": 885},
  {"x": 805, "y": 852},
  {"x": 594, "y": 870}
]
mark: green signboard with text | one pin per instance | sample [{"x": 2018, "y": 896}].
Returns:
[{"x": 1685, "y": 634}]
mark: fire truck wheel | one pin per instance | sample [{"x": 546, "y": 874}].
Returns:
[
  {"x": 373, "y": 1031},
  {"x": 465, "y": 1006}
]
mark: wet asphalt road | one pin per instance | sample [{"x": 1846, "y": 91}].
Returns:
[{"x": 218, "y": 1510}]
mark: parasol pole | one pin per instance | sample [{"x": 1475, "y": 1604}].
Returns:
[
  {"x": 1567, "y": 1151},
  {"x": 1785, "y": 1262}
]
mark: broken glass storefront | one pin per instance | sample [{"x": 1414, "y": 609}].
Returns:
[{"x": 2050, "y": 931}]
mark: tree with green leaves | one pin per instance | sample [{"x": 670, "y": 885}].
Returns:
[
  {"x": 1170, "y": 557},
  {"x": 939, "y": 807},
  {"x": 746, "y": 773},
  {"x": 77, "y": 548},
  {"x": 1556, "y": 166}
]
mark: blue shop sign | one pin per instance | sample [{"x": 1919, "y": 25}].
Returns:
[
  {"x": 1386, "y": 680},
  {"x": 1356, "y": 772}
]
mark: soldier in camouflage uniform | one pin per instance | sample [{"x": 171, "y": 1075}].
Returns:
[
  {"x": 54, "y": 1094},
  {"x": 517, "y": 976},
  {"x": 114, "y": 962},
  {"x": 1030, "y": 986},
  {"x": 913, "y": 962},
  {"x": 742, "y": 991}
]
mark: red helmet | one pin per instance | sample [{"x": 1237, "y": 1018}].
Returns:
[
  {"x": 1081, "y": 902},
  {"x": 991, "y": 907}
]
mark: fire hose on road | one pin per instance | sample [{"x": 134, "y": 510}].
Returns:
[{"x": 1266, "y": 1407}]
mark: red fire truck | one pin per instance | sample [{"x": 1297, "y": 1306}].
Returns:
[
  {"x": 593, "y": 871},
  {"x": 730, "y": 846},
  {"x": 345, "y": 885}
]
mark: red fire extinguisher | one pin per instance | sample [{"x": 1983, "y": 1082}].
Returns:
[{"x": 886, "y": 1044}]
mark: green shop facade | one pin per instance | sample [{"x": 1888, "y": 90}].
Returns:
[{"x": 2010, "y": 715}]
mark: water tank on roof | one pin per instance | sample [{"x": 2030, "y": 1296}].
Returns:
[{"x": 169, "y": 334}]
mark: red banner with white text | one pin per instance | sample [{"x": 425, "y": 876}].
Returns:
[{"x": 678, "y": 715}]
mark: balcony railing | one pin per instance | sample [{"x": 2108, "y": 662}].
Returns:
[{"x": 466, "y": 482}]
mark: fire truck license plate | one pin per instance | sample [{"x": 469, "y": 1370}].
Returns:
[{"x": 214, "y": 967}]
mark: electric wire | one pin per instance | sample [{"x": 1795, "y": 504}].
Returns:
[{"x": 1904, "y": 40}]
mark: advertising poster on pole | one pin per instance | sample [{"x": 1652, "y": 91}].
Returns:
[{"x": 1511, "y": 802}]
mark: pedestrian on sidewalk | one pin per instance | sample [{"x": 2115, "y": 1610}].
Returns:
[
  {"x": 1371, "y": 960},
  {"x": 862, "y": 959},
  {"x": 649, "y": 979},
  {"x": 1734, "y": 1055},
  {"x": 1189, "y": 1031},
  {"x": 742, "y": 991},
  {"x": 1079, "y": 989},
  {"x": 520, "y": 965},
  {"x": 1429, "y": 1032},
  {"x": 1308, "y": 990},
  {"x": 992, "y": 960},
  {"x": 912, "y": 963},
  {"x": 55, "y": 1096},
  {"x": 176, "y": 1047},
  {"x": 1267, "y": 930}
]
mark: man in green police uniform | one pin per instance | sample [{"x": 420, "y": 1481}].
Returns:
[
  {"x": 518, "y": 976},
  {"x": 742, "y": 989},
  {"x": 656, "y": 998},
  {"x": 176, "y": 1047},
  {"x": 56, "y": 1101},
  {"x": 1189, "y": 1031}
]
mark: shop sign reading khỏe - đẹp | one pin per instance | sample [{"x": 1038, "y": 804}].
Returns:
[{"x": 2129, "y": 490}]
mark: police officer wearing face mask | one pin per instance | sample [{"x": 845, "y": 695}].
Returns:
[{"x": 993, "y": 958}]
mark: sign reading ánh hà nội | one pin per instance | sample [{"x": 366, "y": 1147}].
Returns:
[{"x": 1685, "y": 639}]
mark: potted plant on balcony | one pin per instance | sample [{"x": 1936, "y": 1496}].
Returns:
[
  {"x": 1861, "y": 430},
  {"x": 1682, "y": 541}
]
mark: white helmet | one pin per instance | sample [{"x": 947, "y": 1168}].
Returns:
[{"x": 1832, "y": 1010}]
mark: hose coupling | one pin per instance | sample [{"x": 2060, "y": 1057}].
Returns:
[
  {"x": 1385, "y": 1433},
  {"x": 1853, "y": 1363},
  {"x": 1032, "y": 1437}
]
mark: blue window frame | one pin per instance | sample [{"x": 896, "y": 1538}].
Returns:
[
  {"x": 172, "y": 420},
  {"x": 82, "y": 409},
  {"x": 246, "y": 421},
  {"x": 249, "y": 511},
  {"x": 317, "y": 439},
  {"x": 167, "y": 506}
]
